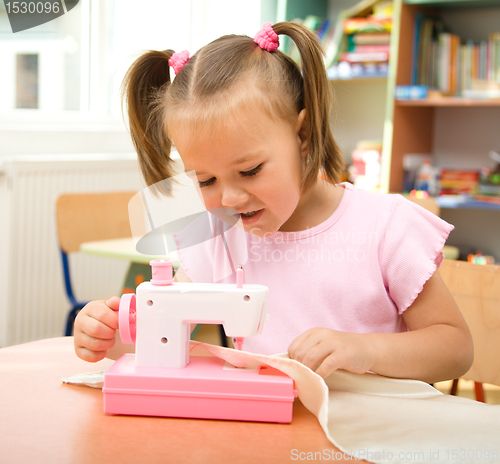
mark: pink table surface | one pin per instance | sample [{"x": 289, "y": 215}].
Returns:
[{"x": 43, "y": 420}]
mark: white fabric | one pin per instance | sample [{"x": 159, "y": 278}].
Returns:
[{"x": 380, "y": 419}]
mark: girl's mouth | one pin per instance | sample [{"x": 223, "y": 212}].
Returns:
[
  {"x": 250, "y": 217},
  {"x": 250, "y": 213}
]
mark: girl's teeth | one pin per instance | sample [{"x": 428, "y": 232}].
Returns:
[{"x": 251, "y": 213}]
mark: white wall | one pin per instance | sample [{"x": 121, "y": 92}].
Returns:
[
  {"x": 119, "y": 32},
  {"x": 359, "y": 112}
]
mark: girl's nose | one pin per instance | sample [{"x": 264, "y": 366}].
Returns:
[{"x": 233, "y": 196}]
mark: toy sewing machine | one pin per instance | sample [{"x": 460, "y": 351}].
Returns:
[{"x": 162, "y": 379}]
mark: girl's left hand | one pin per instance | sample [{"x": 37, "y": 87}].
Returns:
[{"x": 325, "y": 350}]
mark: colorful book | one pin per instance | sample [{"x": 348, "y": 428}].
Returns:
[
  {"x": 368, "y": 48},
  {"x": 371, "y": 38},
  {"x": 415, "y": 49},
  {"x": 373, "y": 57},
  {"x": 367, "y": 25}
]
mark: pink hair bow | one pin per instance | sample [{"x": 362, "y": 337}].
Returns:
[
  {"x": 178, "y": 60},
  {"x": 266, "y": 38}
]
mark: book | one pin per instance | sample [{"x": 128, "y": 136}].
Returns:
[
  {"x": 443, "y": 61},
  {"x": 336, "y": 41},
  {"x": 425, "y": 50},
  {"x": 367, "y": 25},
  {"x": 370, "y": 38},
  {"x": 488, "y": 199},
  {"x": 362, "y": 8},
  {"x": 368, "y": 57},
  {"x": 456, "y": 181},
  {"x": 330, "y": 45},
  {"x": 368, "y": 48},
  {"x": 336, "y": 44},
  {"x": 415, "y": 48}
]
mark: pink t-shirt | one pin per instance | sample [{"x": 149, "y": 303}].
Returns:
[{"x": 356, "y": 272}]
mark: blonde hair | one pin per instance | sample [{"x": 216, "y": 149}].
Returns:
[{"x": 214, "y": 84}]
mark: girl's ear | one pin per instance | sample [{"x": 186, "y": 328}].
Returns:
[{"x": 302, "y": 133}]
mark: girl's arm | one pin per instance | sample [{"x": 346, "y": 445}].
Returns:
[
  {"x": 96, "y": 334},
  {"x": 119, "y": 347},
  {"x": 438, "y": 345}
]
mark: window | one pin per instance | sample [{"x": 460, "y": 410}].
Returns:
[{"x": 74, "y": 65}]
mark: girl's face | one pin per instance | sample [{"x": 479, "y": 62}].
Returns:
[{"x": 252, "y": 164}]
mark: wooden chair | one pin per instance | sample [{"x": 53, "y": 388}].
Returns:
[
  {"x": 428, "y": 203},
  {"x": 476, "y": 289},
  {"x": 86, "y": 217}
]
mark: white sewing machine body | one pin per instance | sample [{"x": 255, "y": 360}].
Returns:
[
  {"x": 165, "y": 313},
  {"x": 162, "y": 380}
]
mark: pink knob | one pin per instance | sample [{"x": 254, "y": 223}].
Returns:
[
  {"x": 161, "y": 271},
  {"x": 127, "y": 318}
]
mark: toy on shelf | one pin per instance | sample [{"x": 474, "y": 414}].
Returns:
[
  {"x": 162, "y": 379},
  {"x": 479, "y": 258},
  {"x": 489, "y": 178}
]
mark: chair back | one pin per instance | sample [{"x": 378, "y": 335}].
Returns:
[
  {"x": 88, "y": 217},
  {"x": 476, "y": 289},
  {"x": 428, "y": 203}
]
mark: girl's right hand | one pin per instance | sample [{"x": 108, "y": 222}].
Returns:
[{"x": 95, "y": 329}]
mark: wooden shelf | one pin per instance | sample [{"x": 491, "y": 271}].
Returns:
[
  {"x": 449, "y": 201},
  {"x": 449, "y": 101},
  {"x": 411, "y": 124}
]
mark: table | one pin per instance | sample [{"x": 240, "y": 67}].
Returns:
[
  {"x": 450, "y": 252},
  {"x": 122, "y": 248},
  {"x": 43, "y": 420}
]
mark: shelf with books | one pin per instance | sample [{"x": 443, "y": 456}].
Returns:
[
  {"x": 465, "y": 202},
  {"x": 412, "y": 125},
  {"x": 362, "y": 47},
  {"x": 343, "y": 72},
  {"x": 356, "y": 41},
  {"x": 360, "y": 87},
  {"x": 447, "y": 60},
  {"x": 454, "y": 132}
]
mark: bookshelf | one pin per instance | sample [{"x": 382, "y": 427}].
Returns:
[
  {"x": 409, "y": 126},
  {"x": 412, "y": 126},
  {"x": 457, "y": 132},
  {"x": 359, "y": 101},
  {"x": 449, "y": 101}
]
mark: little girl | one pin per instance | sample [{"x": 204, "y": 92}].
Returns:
[{"x": 352, "y": 276}]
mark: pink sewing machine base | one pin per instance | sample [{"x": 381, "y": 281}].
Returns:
[
  {"x": 207, "y": 388},
  {"x": 162, "y": 379}
]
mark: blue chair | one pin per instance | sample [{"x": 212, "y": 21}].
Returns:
[{"x": 87, "y": 217}]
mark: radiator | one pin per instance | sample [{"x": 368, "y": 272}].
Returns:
[{"x": 33, "y": 304}]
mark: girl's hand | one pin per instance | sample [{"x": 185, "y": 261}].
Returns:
[
  {"x": 325, "y": 350},
  {"x": 95, "y": 328}
]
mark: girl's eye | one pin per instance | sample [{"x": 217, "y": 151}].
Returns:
[
  {"x": 206, "y": 183},
  {"x": 252, "y": 172}
]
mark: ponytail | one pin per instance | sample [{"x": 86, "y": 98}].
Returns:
[
  {"x": 324, "y": 153},
  {"x": 142, "y": 91},
  {"x": 199, "y": 96}
]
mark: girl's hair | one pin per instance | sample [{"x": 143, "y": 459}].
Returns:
[{"x": 229, "y": 75}]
